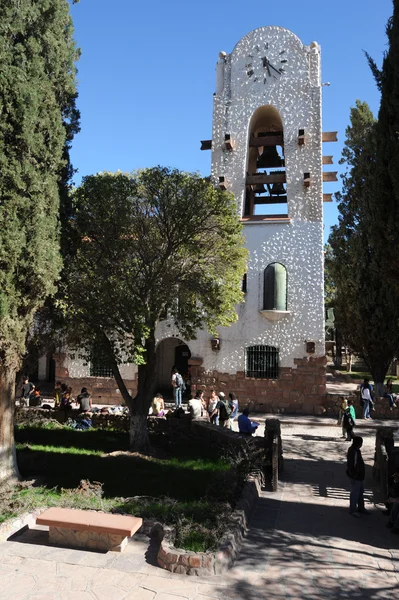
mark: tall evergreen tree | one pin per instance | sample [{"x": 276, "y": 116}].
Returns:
[
  {"x": 366, "y": 309},
  {"x": 38, "y": 120},
  {"x": 384, "y": 203}
]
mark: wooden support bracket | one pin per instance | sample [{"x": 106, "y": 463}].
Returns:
[
  {"x": 301, "y": 137},
  {"x": 206, "y": 144},
  {"x": 222, "y": 182},
  {"x": 330, "y": 176},
  {"x": 327, "y": 197},
  {"x": 329, "y": 136},
  {"x": 228, "y": 142},
  {"x": 328, "y": 160}
]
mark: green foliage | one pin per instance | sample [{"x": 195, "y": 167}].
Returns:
[
  {"x": 366, "y": 309},
  {"x": 38, "y": 121},
  {"x": 149, "y": 242},
  {"x": 385, "y": 206}
]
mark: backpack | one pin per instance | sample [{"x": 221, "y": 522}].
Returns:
[
  {"x": 224, "y": 410},
  {"x": 180, "y": 383}
]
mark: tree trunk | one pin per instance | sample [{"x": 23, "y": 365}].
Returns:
[
  {"x": 138, "y": 406},
  {"x": 138, "y": 432},
  {"x": 146, "y": 380},
  {"x": 8, "y": 463}
]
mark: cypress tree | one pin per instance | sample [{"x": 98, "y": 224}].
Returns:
[
  {"x": 384, "y": 202},
  {"x": 38, "y": 121},
  {"x": 367, "y": 311}
]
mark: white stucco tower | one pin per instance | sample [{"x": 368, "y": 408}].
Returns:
[{"x": 267, "y": 150}]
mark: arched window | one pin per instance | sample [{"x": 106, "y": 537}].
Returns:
[
  {"x": 275, "y": 287},
  {"x": 262, "y": 362}
]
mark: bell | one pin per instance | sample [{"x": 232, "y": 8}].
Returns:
[
  {"x": 277, "y": 189},
  {"x": 269, "y": 158},
  {"x": 259, "y": 188}
]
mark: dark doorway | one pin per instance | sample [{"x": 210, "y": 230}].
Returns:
[{"x": 182, "y": 354}]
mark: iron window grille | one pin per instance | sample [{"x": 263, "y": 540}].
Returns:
[
  {"x": 99, "y": 366},
  {"x": 262, "y": 362}
]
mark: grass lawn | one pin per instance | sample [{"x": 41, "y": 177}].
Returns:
[{"x": 194, "y": 488}]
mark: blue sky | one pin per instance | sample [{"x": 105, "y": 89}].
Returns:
[{"x": 147, "y": 73}]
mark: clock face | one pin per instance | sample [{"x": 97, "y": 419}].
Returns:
[{"x": 265, "y": 64}]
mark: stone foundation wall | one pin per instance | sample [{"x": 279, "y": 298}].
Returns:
[
  {"x": 102, "y": 389},
  {"x": 299, "y": 390}
]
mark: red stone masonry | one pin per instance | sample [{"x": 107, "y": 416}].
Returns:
[{"x": 301, "y": 389}]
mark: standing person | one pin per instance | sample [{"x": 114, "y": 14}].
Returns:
[
  {"x": 245, "y": 425},
  {"x": 349, "y": 420},
  {"x": 365, "y": 395},
  {"x": 26, "y": 391},
  {"x": 195, "y": 405},
  {"x": 388, "y": 393},
  {"x": 355, "y": 470},
  {"x": 212, "y": 410},
  {"x": 234, "y": 406},
  {"x": 341, "y": 412},
  {"x": 224, "y": 409},
  {"x": 84, "y": 400},
  {"x": 178, "y": 387}
]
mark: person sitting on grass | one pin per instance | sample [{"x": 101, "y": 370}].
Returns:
[
  {"x": 245, "y": 425},
  {"x": 84, "y": 401},
  {"x": 35, "y": 398}
]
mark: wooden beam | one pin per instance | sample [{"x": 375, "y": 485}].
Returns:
[
  {"x": 330, "y": 136},
  {"x": 327, "y": 197},
  {"x": 330, "y": 176},
  {"x": 270, "y": 200},
  {"x": 328, "y": 160},
  {"x": 206, "y": 144},
  {"x": 263, "y": 178},
  {"x": 267, "y": 140}
]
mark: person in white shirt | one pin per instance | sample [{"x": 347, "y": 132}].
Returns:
[
  {"x": 365, "y": 393},
  {"x": 195, "y": 405}
]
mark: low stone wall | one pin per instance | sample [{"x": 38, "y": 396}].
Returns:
[
  {"x": 185, "y": 562},
  {"x": 41, "y": 415},
  {"x": 333, "y": 402}
]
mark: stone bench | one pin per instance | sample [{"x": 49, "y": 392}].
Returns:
[{"x": 89, "y": 529}]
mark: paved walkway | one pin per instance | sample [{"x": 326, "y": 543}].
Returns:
[{"x": 302, "y": 544}]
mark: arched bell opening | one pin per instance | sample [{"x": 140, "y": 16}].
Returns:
[{"x": 266, "y": 191}]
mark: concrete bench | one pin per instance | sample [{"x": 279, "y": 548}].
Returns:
[{"x": 89, "y": 529}]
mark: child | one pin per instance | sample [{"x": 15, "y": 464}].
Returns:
[
  {"x": 342, "y": 409},
  {"x": 349, "y": 421}
]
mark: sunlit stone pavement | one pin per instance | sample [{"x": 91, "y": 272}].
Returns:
[{"x": 302, "y": 544}]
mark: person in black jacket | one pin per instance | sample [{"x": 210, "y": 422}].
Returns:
[{"x": 355, "y": 470}]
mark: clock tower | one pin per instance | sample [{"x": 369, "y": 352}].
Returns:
[{"x": 267, "y": 150}]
